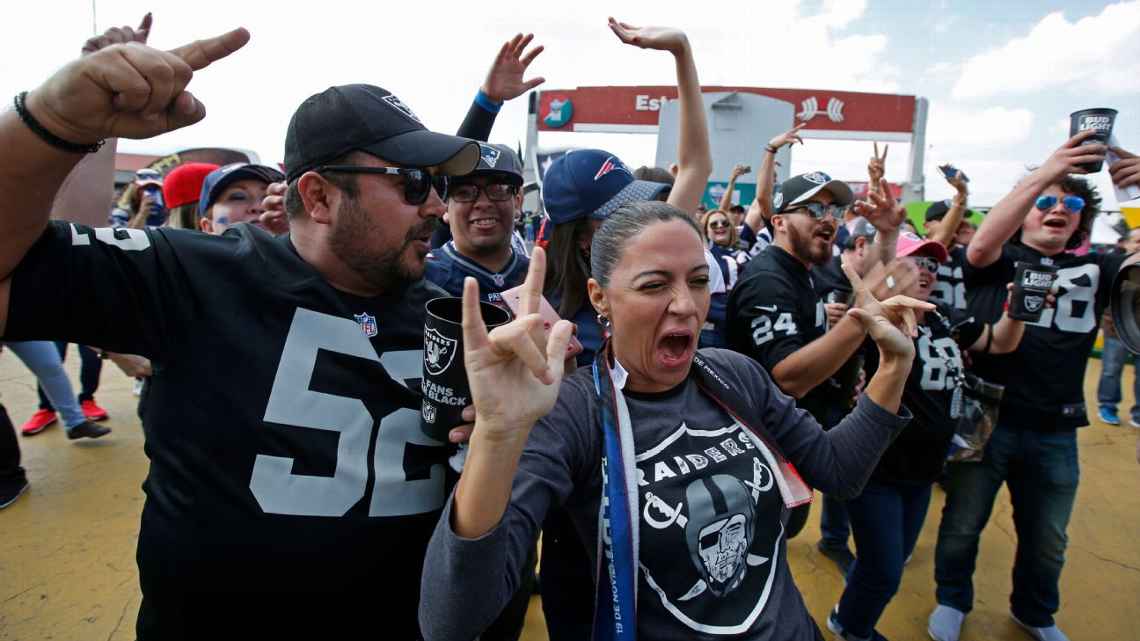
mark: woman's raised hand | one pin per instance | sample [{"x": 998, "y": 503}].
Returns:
[{"x": 514, "y": 371}]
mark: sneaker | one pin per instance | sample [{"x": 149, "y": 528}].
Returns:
[
  {"x": 87, "y": 429},
  {"x": 836, "y": 628},
  {"x": 10, "y": 491},
  {"x": 1134, "y": 422},
  {"x": 839, "y": 554},
  {"x": 1108, "y": 415},
  {"x": 38, "y": 422},
  {"x": 91, "y": 411},
  {"x": 945, "y": 623},
  {"x": 1051, "y": 633}
]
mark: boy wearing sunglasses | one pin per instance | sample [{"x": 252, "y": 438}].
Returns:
[
  {"x": 1034, "y": 446},
  {"x": 481, "y": 211}
]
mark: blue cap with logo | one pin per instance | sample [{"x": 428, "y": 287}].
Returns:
[
  {"x": 591, "y": 183},
  {"x": 497, "y": 160},
  {"x": 216, "y": 181}
]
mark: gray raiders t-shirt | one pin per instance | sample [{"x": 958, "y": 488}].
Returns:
[{"x": 713, "y": 559}]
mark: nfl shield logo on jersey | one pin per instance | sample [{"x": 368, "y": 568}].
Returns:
[
  {"x": 428, "y": 413},
  {"x": 367, "y": 323},
  {"x": 439, "y": 351}
]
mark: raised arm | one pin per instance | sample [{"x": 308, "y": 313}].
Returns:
[
  {"x": 504, "y": 82},
  {"x": 761, "y": 209},
  {"x": 947, "y": 228},
  {"x": 726, "y": 200},
  {"x": 514, "y": 372},
  {"x": 1003, "y": 221},
  {"x": 127, "y": 91},
  {"x": 694, "y": 158}
]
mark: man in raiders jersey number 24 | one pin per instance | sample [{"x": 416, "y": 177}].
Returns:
[
  {"x": 1033, "y": 449},
  {"x": 287, "y": 494}
]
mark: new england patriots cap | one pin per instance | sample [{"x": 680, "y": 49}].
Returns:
[
  {"x": 367, "y": 118},
  {"x": 800, "y": 189},
  {"x": 499, "y": 160},
  {"x": 216, "y": 181},
  {"x": 591, "y": 183}
]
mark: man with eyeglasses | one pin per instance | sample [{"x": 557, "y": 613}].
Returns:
[
  {"x": 291, "y": 493},
  {"x": 481, "y": 211},
  {"x": 1033, "y": 449}
]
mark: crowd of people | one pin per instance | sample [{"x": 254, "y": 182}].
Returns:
[{"x": 732, "y": 360}]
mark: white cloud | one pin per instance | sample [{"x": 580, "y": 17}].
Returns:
[
  {"x": 952, "y": 129},
  {"x": 942, "y": 68},
  {"x": 1097, "y": 53}
]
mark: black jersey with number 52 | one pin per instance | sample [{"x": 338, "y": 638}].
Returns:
[{"x": 290, "y": 485}]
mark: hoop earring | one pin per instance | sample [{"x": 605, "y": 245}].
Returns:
[{"x": 604, "y": 322}]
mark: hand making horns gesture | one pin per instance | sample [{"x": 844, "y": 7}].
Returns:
[{"x": 514, "y": 371}]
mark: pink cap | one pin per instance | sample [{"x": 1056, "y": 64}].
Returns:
[{"x": 911, "y": 245}]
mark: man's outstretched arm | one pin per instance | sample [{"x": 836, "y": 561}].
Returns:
[{"x": 123, "y": 91}]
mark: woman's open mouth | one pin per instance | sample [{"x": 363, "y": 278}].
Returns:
[{"x": 675, "y": 348}]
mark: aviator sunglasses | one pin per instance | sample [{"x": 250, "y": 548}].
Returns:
[
  {"x": 818, "y": 210},
  {"x": 1072, "y": 204}
]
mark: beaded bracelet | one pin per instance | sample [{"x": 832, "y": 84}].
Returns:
[{"x": 47, "y": 136}]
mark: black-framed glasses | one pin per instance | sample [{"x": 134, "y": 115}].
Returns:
[
  {"x": 417, "y": 182},
  {"x": 818, "y": 210},
  {"x": 469, "y": 192},
  {"x": 927, "y": 263},
  {"x": 719, "y": 224}
]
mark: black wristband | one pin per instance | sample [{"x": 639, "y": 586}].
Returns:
[
  {"x": 47, "y": 136},
  {"x": 770, "y": 149}
]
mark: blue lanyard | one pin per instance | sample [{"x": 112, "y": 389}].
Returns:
[{"x": 615, "y": 614}]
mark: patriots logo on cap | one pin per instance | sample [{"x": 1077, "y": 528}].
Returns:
[
  {"x": 398, "y": 105},
  {"x": 611, "y": 164},
  {"x": 817, "y": 177},
  {"x": 489, "y": 154}
]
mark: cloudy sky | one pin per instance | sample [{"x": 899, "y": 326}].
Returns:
[{"x": 1001, "y": 77}]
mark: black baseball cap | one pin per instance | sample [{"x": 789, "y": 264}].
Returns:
[
  {"x": 938, "y": 210},
  {"x": 373, "y": 120},
  {"x": 799, "y": 189},
  {"x": 499, "y": 160}
]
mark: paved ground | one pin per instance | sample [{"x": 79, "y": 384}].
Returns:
[{"x": 67, "y": 568}]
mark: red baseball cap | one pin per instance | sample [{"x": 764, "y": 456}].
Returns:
[
  {"x": 911, "y": 245},
  {"x": 183, "y": 184}
]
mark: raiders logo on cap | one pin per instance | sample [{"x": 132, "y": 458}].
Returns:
[
  {"x": 817, "y": 177},
  {"x": 398, "y": 105}
]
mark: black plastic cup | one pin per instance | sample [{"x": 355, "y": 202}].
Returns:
[
  {"x": 1099, "y": 120},
  {"x": 445, "y": 387},
  {"x": 1031, "y": 284}
]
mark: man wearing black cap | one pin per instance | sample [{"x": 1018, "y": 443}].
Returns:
[
  {"x": 775, "y": 315},
  {"x": 481, "y": 211},
  {"x": 292, "y": 496}
]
